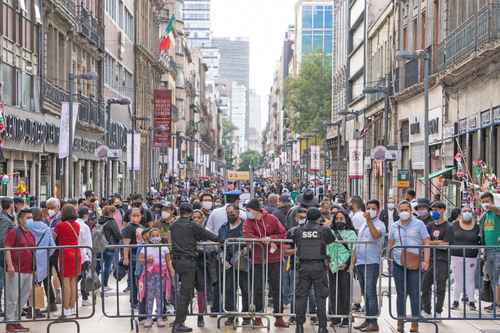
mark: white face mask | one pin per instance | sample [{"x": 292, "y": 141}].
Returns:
[
  {"x": 251, "y": 215},
  {"x": 302, "y": 222},
  {"x": 486, "y": 206},
  {"x": 373, "y": 213},
  {"x": 405, "y": 216},
  {"x": 165, "y": 215},
  {"x": 390, "y": 205},
  {"x": 52, "y": 212},
  {"x": 206, "y": 205}
]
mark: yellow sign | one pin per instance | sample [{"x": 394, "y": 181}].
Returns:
[{"x": 238, "y": 175}]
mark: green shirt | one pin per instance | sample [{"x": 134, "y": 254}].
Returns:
[{"x": 490, "y": 222}]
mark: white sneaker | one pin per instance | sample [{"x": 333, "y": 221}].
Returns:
[
  {"x": 85, "y": 302},
  {"x": 67, "y": 312}
]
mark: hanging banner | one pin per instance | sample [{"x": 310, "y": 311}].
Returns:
[
  {"x": 238, "y": 175},
  {"x": 136, "y": 147},
  {"x": 356, "y": 159},
  {"x": 296, "y": 152},
  {"x": 315, "y": 158},
  {"x": 162, "y": 117},
  {"x": 64, "y": 128}
]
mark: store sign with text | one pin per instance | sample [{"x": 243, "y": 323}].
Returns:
[{"x": 162, "y": 117}]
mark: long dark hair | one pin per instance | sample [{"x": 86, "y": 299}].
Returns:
[{"x": 348, "y": 222}]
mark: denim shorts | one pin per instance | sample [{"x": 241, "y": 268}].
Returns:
[{"x": 492, "y": 267}]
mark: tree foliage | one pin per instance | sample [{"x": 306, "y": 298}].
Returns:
[
  {"x": 250, "y": 157},
  {"x": 228, "y": 129},
  {"x": 309, "y": 95}
]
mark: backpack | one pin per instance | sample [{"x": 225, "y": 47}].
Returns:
[{"x": 99, "y": 241}]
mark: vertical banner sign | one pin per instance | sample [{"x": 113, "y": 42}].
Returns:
[
  {"x": 137, "y": 152},
  {"x": 64, "y": 128},
  {"x": 356, "y": 159},
  {"x": 296, "y": 152},
  {"x": 162, "y": 117},
  {"x": 315, "y": 157}
]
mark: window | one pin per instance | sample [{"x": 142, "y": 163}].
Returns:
[
  {"x": 357, "y": 11},
  {"x": 307, "y": 15},
  {"x": 318, "y": 42},
  {"x": 319, "y": 17},
  {"x": 328, "y": 17},
  {"x": 307, "y": 43},
  {"x": 357, "y": 87},
  {"x": 328, "y": 42},
  {"x": 113, "y": 9},
  {"x": 120, "y": 14},
  {"x": 8, "y": 84},
  {"x": 26, "y": 93},
  {"x": 358, "y": 36}
]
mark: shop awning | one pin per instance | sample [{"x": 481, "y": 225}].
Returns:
[{"x": 447, "y": 172}]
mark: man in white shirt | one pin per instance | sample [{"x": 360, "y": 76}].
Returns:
[
  {"x": 84, "y": 239},
  {"x": 218, "y": 217},
  {"x": 357, "y": 215}
]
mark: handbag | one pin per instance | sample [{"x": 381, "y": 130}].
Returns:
[
  {"x": 410, "y": 261},
  {"x": 91, "y": 281},
  {"x": 37, "y": 297}
]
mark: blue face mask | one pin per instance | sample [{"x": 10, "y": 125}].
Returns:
[
  {"x": 436, "y": 215},
  {"x": 29, "y": 221}
]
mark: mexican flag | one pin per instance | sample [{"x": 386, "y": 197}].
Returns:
[{"x": 166, "y": 40}]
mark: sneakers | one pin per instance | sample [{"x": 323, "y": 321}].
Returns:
[
  {"x": 85, "y": 302},
  {"x": 11, "y": 328},
  {"x": 472, "y": 306},
  {"x": 148, "y": 323},
  {"x": 454, "y": 306},
  {"x": 181, "y": 328},
  {"x": 291, "y": 321},
  {"x": 160, "y": 323},
  {"x": 314, "y": 320},
  {"x": 229, "y": 322}
]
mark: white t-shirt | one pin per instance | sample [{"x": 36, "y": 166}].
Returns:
[
  {"x": 156, "y": 253},
  {"x": 358, "y": 220}
]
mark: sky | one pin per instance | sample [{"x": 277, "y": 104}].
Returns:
[{"x": 264, "y": 22}]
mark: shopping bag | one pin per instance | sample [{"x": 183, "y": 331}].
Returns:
[{"x": 37, "y": 297}]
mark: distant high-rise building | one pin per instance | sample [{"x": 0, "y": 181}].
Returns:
[
  {"x": 239, "y": 114},
  {"x": 254, "y": 122},
  {"x": 314, "y": 27},
  {"x": 234, "y": 59},
  {"x": 197, "y": 22}
]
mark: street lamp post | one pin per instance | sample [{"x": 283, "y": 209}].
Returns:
[
  {"x": 426, "y": 56},
  {"x": 91, "y": 76}
]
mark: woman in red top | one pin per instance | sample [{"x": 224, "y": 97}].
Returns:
[{"x": 66, "y": 234}]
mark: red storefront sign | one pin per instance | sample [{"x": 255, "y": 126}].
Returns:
[{"x": 162, "y": 117}]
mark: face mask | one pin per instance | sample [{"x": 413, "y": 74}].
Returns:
[
  {"x": 165, "y": 215},
  {"x": 52, "y": 212},
  {"x": 155, "y": 240},
  {"x": 302, "y": 221},
  {"x": 486, "y": 206},
  {"x": 435, "y": 215},
  {"x": 373, "y": 213},
  {"x": 405, "y": 216},
  {"x": 390, "y": 205},
  {"x": 467, "y": 216},
  {"x": 206, "y": 205},
  {"x": 232, "y": 219},
  {"x": 29, "y": 221},
  {"x": 251, "y": 215}
]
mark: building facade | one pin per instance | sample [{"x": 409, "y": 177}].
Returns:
[{"x": 197, "y": 23}]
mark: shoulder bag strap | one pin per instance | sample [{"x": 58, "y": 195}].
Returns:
[
  {"x": 41, "y": 238},
  {"x": 337, "y": 234},
  {"x": 73, "y": 229}
]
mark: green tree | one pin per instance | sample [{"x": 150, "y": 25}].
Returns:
[
  {"x": 309, "y": 95},
  {"x": 227, "y": 142},
  {"x": 250, "y": 157}
]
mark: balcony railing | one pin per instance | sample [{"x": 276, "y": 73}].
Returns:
[
  {"x": 471, "y": 36},
  {"x": 90, "y": 27},
  {"x": 54, "y": 94},
  {"x": 91, "y": 112}
]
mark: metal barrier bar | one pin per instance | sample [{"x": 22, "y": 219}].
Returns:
[
  {"x": 28, "y": 283},
  {"x": 461, "y": 261}
]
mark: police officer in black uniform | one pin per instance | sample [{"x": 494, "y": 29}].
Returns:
[
  {"x": 311, "y": 240},
  {"x": 185, "y": 235}
]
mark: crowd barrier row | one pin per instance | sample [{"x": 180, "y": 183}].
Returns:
[{"x": 242, "y": 279}]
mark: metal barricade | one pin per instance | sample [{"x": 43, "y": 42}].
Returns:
[
  {"x": 452, "y": 269},
  {"x": 156, "y": 282},
  {"x": 27, "y": 280}
]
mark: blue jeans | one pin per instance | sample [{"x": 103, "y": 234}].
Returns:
[
  {"x": 287, "y": 290},
  {"x": 109, "y": 256},
  {"x": 368, "y": 277},
  {"x": 407, "y": 281}
]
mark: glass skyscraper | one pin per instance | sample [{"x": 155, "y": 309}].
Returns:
[
  {"x": 197, "y": 22},
  {"x": 314, "y": 21}
]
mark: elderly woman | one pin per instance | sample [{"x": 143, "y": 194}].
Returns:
[
  {"x": 410, "y": 233},
  {"x": 67, "y": 234}
]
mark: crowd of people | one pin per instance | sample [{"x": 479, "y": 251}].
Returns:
[{"x": 152, "y": 247}]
